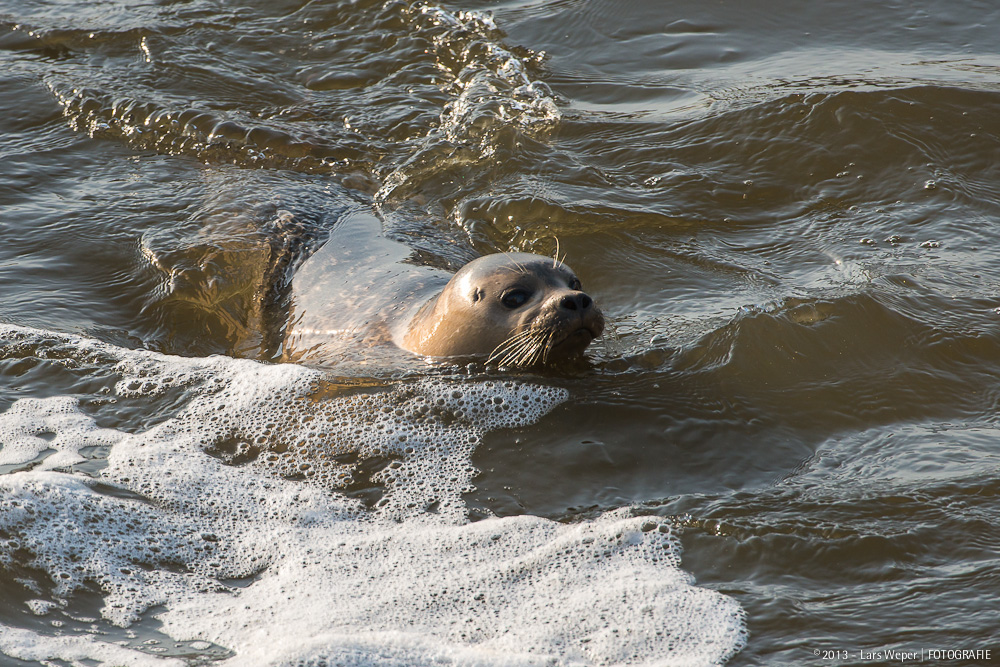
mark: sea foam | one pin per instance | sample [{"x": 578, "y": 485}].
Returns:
[{"x": 232, "y": 521}]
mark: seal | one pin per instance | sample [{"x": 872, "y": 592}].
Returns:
[
  {"x": 518, "y": 308},
  {"x": 359, "y": 292}
]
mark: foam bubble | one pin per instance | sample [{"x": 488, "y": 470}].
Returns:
[{"x": 236, "y": 520}]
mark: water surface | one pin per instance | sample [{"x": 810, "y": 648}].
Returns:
[{"x": 788, "y": 213}]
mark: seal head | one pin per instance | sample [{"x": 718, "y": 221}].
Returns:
[{"x": 520, "y": 309}]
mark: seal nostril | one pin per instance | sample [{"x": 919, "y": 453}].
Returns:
[{"x": 577, "y": 301}]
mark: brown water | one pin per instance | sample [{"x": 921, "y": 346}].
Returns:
[{"x": 789, "y": 213}]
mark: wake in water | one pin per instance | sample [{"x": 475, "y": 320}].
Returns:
[{"x": 263, "y": 550}]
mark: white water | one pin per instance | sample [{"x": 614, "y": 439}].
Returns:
[
  {"x": 292, "y": 571},
  {"x": 491, "y": 92}
]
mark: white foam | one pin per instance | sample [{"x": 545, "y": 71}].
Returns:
[
  {"x": 24, "y": 427},
  {"x": 28, "y": 645},
  {"x": 266, "y": 556}
]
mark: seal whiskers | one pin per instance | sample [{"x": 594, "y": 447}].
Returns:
[
  {"x": 548, "y": 346},
  {"x": 520, "y": 267},
  {"x": 521, "y": 349},
  {"x": 541, "y": 352},
  {"x": 513, "y": 348},
  {"x": 556, "y": 260}
]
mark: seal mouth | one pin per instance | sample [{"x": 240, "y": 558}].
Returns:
[
  {"x": 574, "y": 342},
  {"x": 579, "y": 334}
]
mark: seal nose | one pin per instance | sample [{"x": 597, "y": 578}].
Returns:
[{"x": 576, "y": 301}]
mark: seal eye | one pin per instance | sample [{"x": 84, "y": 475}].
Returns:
[
  {"x": 515, "y": 298},
  {"x": 575, "y": 285}
]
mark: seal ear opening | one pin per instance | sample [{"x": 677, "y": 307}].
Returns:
[{"x": 478, "y": 294}]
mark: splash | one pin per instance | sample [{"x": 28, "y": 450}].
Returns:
[{"x": 491, "y": 91}]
